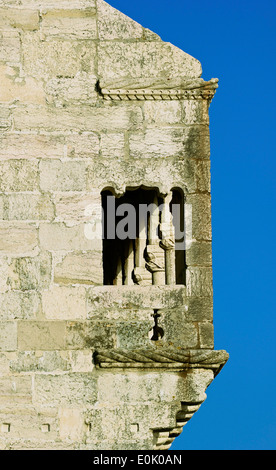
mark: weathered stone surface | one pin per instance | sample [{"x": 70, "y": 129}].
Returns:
[
  {"x": 58, "y": 23},
  {"x": 145, "y": 59},
  {"x": 86, "y": 145},
  {"x": 29, "y": 207},
  {"x": 10, "y": 46},
  {"x": 152, "y": 297},
  {"x": 30, "y": 273},
  {"x": 56, "y": 57},
  {"x": 15, "y": 88},
  {"x": 90, "y": 335},
  {"x": 31, "y": 424},
  {"x": 70, "y": 389},
  {"x": 64, "y": 303},
  {"x": 18, "y": 239},
  {"x": 76, "y": 208},
  {"x": 15, "y": 389},
  {"x": 199, "y": 282},
  {"x": 80, "y": 89},
  {"x": 199, "y": 254},
  {"x": 30, "y": 146},
  {"x": 201, "y": 216},
  {"x": 59, "y": 237},
  {"x": 18, "y": 175},
  {"x": 206, "y": 335},
  {"x": 80, "y": 268},
  {"x": 16, "y": 305},
  {"x": 190, "y": 142},
  {"x": 41, "y": 336},
  {"x": 76, "y": 119},
  {"x": 113, "y": 24},
  {"x": 56, "y": 175},
  {"x": 8, "y": 336},
  {"x": 27, "y": 20}
]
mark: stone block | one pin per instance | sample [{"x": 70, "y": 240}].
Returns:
[
  {"x": 86, "y": 145},
  {"x": 150, "y": 172},
  {"x": 28, "y": 423},
  {"x": 113, "y": 24},
  {"x": 206, "y": 335},
  {"x": 189, "y": 142},
  {"x": 133, "y": 334},
  {"x": 162, "y": 112},
  {"x": 71, "y": 424},
  {"x": 4, "y": 274},
  {"x": 65, "y": 390},
  {"x": 41, "y": 335},
  {"x": 195, "y": 112},
  {"x": 134, "y": 297},
  {"x": 18, "y": 305},
  {"x": 70, "y": 23},
  {"x": 91, "y": 335},
  {"x": 80, "y": 89},
  {"x": 59, "y": 237},
  {"x": 23, "y": 89},
  {"x": 25, "y": 19},
  {"x": 15, "y": 389},
  {"x": 56, "y": 175},
  {"x": 199, "y": 282},
  {"x": 200, "y": 309},
  {"x": 75, "y": 119},
  {"x": 14, "y": 145},
  {"x": 199, "y": 254},
  {"x": 17, "y": 239},
  {"x": 40, "y": 361},
  {"x": 81, "y": 361},
  {"x": 8, "y": 336},
  {"x": 57, "y": 57},
  {"x": 201, "y": 216},
  {"x": 2, "y": 207},
  {"x": 29, "y": 207},
  {"x": 18, "y": 175},
  {"x": 113, "y": 145},
  {"x": 177, "y": 329},
  {"x": 80, "y": 268},
  {"x": 145, "y": 59},
  {"x": 203, "y": 176},
  {"x": 31, "y": 273},
  {"x": 64, "y": 303},
  {"x": 10, "y": 46},
  {"x": 78, "y": 208}
]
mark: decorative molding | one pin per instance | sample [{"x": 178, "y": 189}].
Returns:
[
  {"x": 149, "y": 89},
  {"x": 161, "y": 357}
]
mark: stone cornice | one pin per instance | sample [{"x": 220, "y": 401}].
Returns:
[
  {"x": 149, "y": 89},
  {"x": 161, "y": 357}
]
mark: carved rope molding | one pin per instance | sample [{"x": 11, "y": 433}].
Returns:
[
  {"x": 149, "y": 89},
  {"x": 161, "y": 358}
]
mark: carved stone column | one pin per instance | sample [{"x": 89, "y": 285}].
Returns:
[
  {"x": 154, "y": 253},
  {"x": 168, "y": 240}
]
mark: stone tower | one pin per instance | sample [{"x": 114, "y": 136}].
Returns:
[{"x": 106, "y": 342}]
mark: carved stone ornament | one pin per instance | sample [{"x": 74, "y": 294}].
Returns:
[
  {"x": 161, "y": 357},
  {"x": 159, "y": 89}
]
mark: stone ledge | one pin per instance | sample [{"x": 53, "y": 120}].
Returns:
[
  {"x": 149, "y": 89},
  {"x": 161, "y": 357}
]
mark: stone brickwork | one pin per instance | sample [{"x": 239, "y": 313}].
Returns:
[{"x": 91, "y": 100}]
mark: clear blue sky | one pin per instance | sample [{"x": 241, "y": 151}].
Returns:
[{"x": 235, "y": 42}]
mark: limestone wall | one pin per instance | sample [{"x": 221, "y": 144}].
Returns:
[{"x": 61, "y": 143}]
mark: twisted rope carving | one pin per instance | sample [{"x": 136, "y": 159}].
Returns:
[{"x": 212, "y": 359}]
